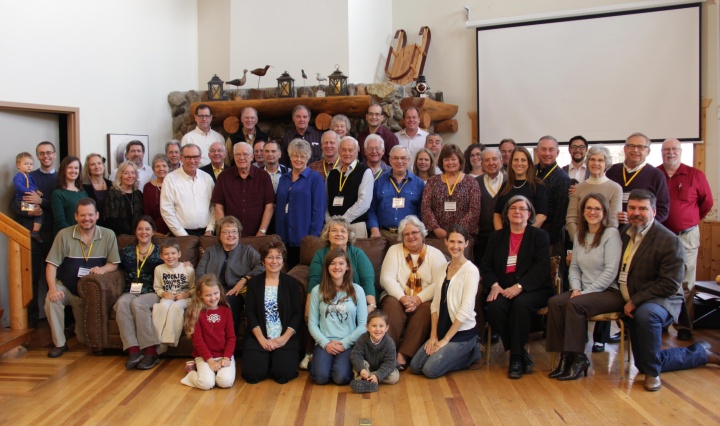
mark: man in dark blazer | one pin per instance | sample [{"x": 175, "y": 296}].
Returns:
[
  {"x": 217, "y": 156},
  {"x": 651, "y": 272}
]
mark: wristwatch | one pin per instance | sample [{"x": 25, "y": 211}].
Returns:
[
  {"x": 519, "y": 286},
  {"x": 264, "y": 231}
]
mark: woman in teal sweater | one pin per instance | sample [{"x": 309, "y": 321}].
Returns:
[{"x": 64, "y": 199}]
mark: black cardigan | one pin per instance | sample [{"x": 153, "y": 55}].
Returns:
[
  {"x": 533, "y": 263},
  {"x": 289, "y": 307}
]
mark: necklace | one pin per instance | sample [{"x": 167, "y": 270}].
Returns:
[{"x": 518, "y": 187}]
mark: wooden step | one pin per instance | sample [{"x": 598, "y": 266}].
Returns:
[{"x": 9, "y": 339}]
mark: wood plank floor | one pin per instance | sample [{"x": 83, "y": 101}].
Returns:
[{"x": 80, "y": 388}]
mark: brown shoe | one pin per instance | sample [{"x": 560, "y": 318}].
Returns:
[
  {"x": 56, "y": 352},
  {"x": 652, "y": 384}
]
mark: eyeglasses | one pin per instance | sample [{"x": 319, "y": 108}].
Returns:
[
  {"x": 518, "y": 209},
  {"x": 632, "y": 147},
  {"x": 191, "y": 157},
  {"x": 230, "y": 232},
  {"x": 374, "y": 149},
  {"x": 399, "y": 158},
  {"x": 577, "y": 148},
  {"x": 411, "y": 233},
  {"x": 203, "y": 116},
  {"x": 45, "y": 153},
  {"x": 593, "y": 209},
  {"x": 276, "y": 258}
]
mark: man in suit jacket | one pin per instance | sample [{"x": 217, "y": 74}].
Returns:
[
  {"x": 217, "y": 156},
  {"x": 651, "y": 273},
  {"x": 577, "y": 169}
]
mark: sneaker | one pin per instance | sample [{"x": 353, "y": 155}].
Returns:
[
  {"x": 305, "y": 363},
  {"x": 363, "y": 386},
  {"x": 190, "y": 366}
]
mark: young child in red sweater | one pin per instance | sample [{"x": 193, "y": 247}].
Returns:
[{"x": 209, "y": 323}]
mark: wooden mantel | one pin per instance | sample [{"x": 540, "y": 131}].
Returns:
[{"x": 352, "y": 106}]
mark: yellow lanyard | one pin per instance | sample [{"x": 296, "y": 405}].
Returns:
[
  {"x": 342, "y": 184},
  {"x": 377, "y": 175},
  {"x": 325, "y": 167},
  {"x": 86, "y": 256},
  {"x": 627, "y": 182},
  {"x": 27, "y": 180},
  {"x": 273, "y": 175},
  {"x": 451, "y": 190},
  {"x": 137, "y": 258},
  {"x": 628, "y": 252},
  {"x": 405, "y": 181},
  {"x": 548, "y": 173}
]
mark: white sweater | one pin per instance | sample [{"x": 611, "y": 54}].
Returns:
[
  {"x": 395, "y": 272},
  {"x": 460, "y": 296}
]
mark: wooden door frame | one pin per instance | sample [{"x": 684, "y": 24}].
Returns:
[{"x": 72, "y": 114}]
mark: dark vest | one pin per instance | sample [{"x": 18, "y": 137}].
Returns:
[
  {"x": 487, "y": 207},
  {"x": 349, "y": 192}
]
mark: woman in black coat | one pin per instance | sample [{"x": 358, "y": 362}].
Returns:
[
  {"x": 516, "y": 272},
  {"x": 273, "y": 306}
]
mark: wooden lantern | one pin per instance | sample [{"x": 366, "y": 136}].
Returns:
[
  {"x": 337, "y": 83},
  {"x": 286, "y": 86},
  {"x": 215, "y": 89}
]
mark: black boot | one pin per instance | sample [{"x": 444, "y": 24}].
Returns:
[
  {"x": 566, "y": 360},
  {"x": 527, "y": 362},
  {"x": 579, "y": 366}
]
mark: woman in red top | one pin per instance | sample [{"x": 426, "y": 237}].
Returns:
[{"x": 209, "y": 323}]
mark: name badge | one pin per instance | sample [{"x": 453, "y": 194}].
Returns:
[
  {"x": 398, "y": 203},
  {"x": 450, "y": 206},
  {"x": 82, "y": 272},
  {"x": 512, "y": 260},
  {"x": 622, "y": 278},
  {"x": 135, "y": 288},
  {"x": 626, "y": 195},
  {"x": 338, "y": 201}
]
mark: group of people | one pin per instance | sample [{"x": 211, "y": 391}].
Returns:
[{"x": 512, "y": 212}]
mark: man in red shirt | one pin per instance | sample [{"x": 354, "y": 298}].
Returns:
[{"x": 690, "y": 200}]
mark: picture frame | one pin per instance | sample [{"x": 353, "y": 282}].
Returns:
[{"x": 116, "y": 148}]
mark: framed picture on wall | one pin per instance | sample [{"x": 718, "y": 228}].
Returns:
[{"x": 116, "y": 148}]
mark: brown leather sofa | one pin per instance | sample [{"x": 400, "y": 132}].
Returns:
[{"x": 100, "y": 293}]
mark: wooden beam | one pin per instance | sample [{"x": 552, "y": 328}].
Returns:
[
  {"x": 351, "y": 106},
  {"x": 438, "y": 110}
]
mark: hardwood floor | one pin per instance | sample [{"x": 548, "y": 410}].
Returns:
[{"x": 80, "y": 388}]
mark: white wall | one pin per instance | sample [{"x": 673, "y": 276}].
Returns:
[
  {"x": 310, "y": 35},
  {"x": 21, "y": 132},
  {"x": 370, "y": 33},
  {"x": 116, "y": 60}
]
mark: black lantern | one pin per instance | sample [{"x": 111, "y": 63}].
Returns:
[
  {"x": 286, "y": 86},
  {"x": 215, "y": 89},
  {"x": 337, "y": 83}
]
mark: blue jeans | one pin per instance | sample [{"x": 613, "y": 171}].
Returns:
[
  {"x": 336, "y": 367},
  {"x": 451, "y": 357},
  {"x": 646, "y": 337}
]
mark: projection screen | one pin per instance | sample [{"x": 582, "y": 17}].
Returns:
[{"x": 603, "y": 76}]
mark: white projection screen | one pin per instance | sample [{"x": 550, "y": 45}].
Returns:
[{"x": 603, "y": 76}]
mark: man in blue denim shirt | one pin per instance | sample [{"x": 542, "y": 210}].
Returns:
[{"x": 395, "y": 195}]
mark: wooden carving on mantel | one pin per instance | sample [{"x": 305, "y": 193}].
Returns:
[{"x": 407, "y": 61}]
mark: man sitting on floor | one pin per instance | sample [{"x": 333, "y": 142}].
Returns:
[{"x": 651, "y": 272}]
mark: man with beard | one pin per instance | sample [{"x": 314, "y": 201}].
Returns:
[
  {"x": 77, "y": 251},
  {"x": 651, "y": 271},
  {"x": 577, "y": 169},
  {"x": 690, "y": 201}
]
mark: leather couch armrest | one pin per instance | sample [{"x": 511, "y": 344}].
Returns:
[{"x": 100, "y": 292}]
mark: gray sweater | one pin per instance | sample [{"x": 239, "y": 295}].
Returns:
[
  {"x": 381, "y": 357},
  {"x": 596, "y": 269}
]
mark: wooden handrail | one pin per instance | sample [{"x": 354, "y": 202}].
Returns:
[{"x": 19, "y": 271}]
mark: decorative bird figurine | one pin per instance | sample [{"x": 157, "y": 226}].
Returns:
[
  {"x": 260, "y": 72},
  {"x": 320, "y": 78},
  {"x": 239, "y": 81},
  {"x": 304, "y": 77}
]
